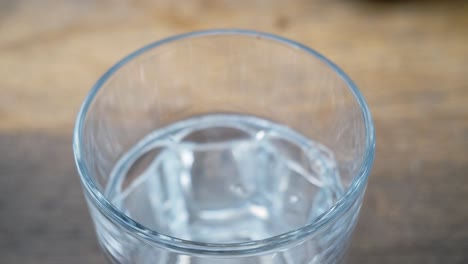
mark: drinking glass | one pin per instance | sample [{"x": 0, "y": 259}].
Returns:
[{"x": 224, "y": 146}]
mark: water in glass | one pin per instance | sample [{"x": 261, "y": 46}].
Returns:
[{"x": 224, "y": 178}]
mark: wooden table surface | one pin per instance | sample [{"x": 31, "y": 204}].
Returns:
[{"x": 410, "y": 59}]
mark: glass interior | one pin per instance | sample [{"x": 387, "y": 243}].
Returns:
[{"x": 225, "y": 76}]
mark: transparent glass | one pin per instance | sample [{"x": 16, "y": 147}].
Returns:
[{"x": 224, "y": 146}]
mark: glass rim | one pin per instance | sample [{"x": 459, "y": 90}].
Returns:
[{"x": 224, "y": 249}]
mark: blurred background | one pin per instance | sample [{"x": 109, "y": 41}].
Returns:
[{"x": 409, "y": 58}]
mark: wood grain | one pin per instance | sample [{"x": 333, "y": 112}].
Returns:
[{"x": 410, "y": 59}]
